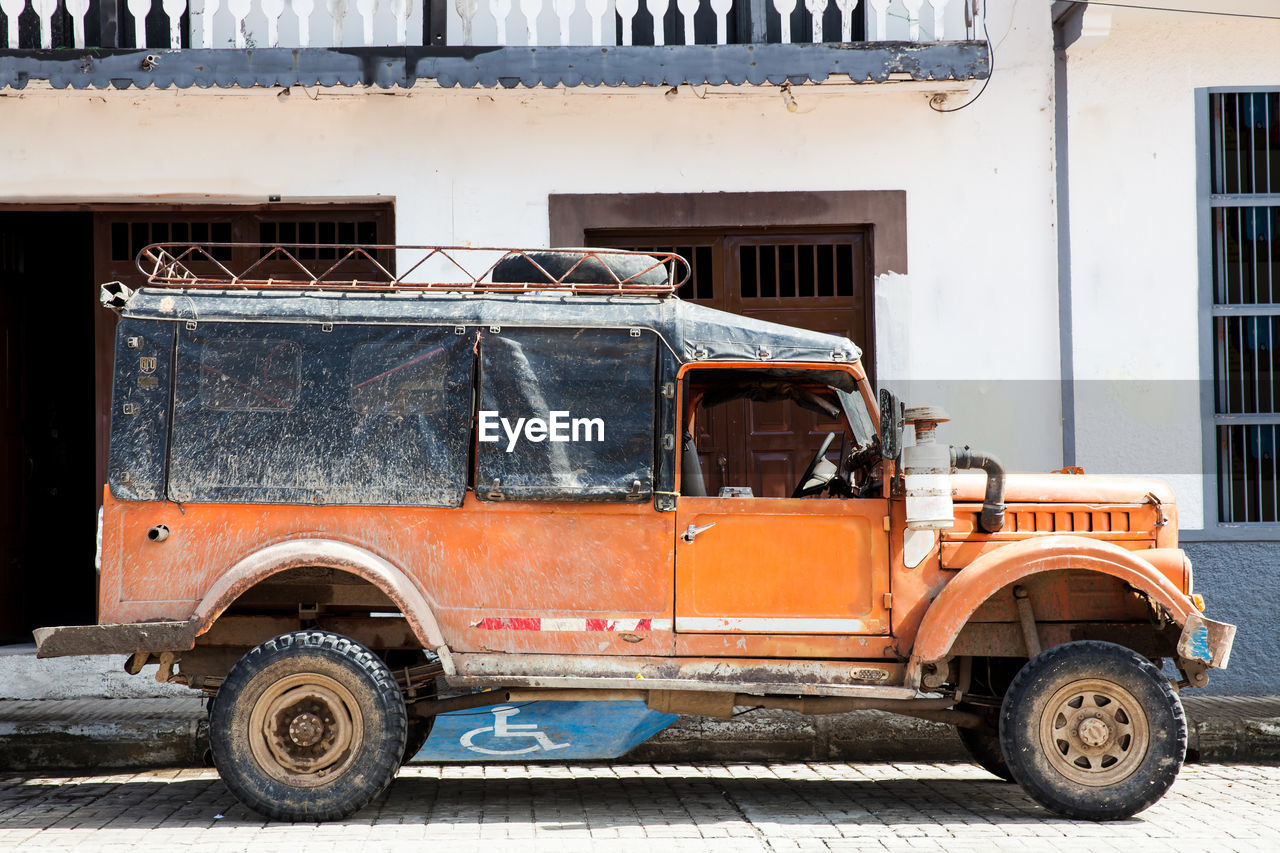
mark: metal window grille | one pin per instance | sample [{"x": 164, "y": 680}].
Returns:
[{"x": 1245, "y": 203}]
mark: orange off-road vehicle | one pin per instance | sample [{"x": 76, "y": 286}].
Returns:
[{"x": 467, "y": 519}]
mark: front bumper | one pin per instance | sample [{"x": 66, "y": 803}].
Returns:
[{"x": 1206, "y": 641}]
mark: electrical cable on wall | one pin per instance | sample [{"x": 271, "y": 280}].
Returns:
[{"x": 991, "y": 70}]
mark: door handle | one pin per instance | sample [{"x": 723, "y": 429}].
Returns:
[{"x": 692, "y": 531}]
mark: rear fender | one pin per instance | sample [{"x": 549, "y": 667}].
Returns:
[
  {"x": 329, "y": 554},
  {"x": 990, "y": 573}
]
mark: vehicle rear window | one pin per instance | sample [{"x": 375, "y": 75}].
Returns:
[
  {"x": 250, "y": 375},
  {"x": 292, "y": 413}
]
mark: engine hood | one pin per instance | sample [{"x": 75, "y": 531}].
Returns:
[{"x": 1063, "y": 488}]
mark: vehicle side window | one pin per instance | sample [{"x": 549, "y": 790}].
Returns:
[
  {"x": 566, "y": 414},
  {"x": 288, "y": 413}
]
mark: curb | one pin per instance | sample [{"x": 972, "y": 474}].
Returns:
[{"x": 102, "y": 734}]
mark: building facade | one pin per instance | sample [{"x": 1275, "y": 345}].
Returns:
[{"x": 1004, "y": 204}]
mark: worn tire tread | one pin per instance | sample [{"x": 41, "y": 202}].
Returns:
[
  {"x": 1168, "y": 737},
  {"x": 385, "y": 732}
]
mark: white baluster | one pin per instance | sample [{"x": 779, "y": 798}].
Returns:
[
  {"x": 367, "y": 8},
  {"x": 817, "y": 8},
  {"x": 627, "y": 11},
  {"x": 78, "y": 9},
  {"x": 785, "y": 8},
  {"x": 44, "y": 10},
  {"x": 658, "y": 9},
  {"x": 12, "y": 9},
  {"x": 881, "y": 9},
  {"x": 400, "y": 12},
  {"x": 337, "y": 12},
  {"x": 596, "y": 9},
  {"x": 239, "y": 10},
  {"x": 500, "y": 9},
  {"x": 531, "y": 9},
  {"x": 939, "y": 13},
  {"x": 564, "y": 9},
  {"x": 139, "y": 10},
  {"x": 173, "y": 9},
  {"x": 721, "y": 8},
  {"x": 272, "y": 10},
  {"x": 688, "y": 9},
  {"x": 303, "y": 9},
  {"x": 913, "y": 18},
  {"x": 846, "y": 19},
  {"x": 467, "y": 12},
  {"x": 206, "y": 22}
]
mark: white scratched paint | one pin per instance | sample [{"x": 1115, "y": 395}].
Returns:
[{"x": 771, "y": 626}]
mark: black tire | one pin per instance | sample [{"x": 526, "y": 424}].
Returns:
[
  {"x": 569, "y": 265},
  {"x": 419, "y": 731},
  {"x": 308, "y": 726},
  {"x": 419, "y": 727},
  {"x": 983, "y": 746},
  {"x": 1093, "y": 731}
]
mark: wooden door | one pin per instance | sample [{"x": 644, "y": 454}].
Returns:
[{"x": 818, "y": 280}]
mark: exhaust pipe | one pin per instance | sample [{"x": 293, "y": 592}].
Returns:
[{"x": 992, "y": 519}]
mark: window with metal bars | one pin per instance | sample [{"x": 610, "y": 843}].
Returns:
[{"x": 1244, "y": 203}]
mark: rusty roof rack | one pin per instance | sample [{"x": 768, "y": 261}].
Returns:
[{"x": 326, "y": 266}]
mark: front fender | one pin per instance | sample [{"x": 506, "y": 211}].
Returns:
[{"x": 992, "y": 572}]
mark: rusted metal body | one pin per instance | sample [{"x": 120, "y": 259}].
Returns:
[{"x": 663, "y": 589}]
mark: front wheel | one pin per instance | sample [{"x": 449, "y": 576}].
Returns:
[
  {"x": 983, "y": 746},
  {"x": 308, "y": 726},
  {"x": 1092, "y": 730}
]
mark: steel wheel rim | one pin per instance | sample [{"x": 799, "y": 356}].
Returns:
[
  {"x": 305, "y": 729},
  {"x": 1094, "y": 732}
]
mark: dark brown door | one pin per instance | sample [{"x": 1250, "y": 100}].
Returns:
[{"x": 819, "y": 280}]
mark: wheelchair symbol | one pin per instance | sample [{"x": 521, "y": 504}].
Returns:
[{"x": 503, "y": 728}]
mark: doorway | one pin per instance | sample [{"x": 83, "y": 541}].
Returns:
[
  {"x": 56, "y": 372},
  {"x": 48, "y": 499}
]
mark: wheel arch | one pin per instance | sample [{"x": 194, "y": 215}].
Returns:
[
  {"x": 327, "y": 553},
  {"x": 976, "y": 583}
]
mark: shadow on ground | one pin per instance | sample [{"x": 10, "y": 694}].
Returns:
[{"x": 558, "y": 798}]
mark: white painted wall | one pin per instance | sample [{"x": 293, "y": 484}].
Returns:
[
  {"x": 1134, "y": 259},
  {"x": 979, "y": 302}
]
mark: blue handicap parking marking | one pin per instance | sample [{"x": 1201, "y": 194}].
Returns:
[{"x": 543, "y": 731}]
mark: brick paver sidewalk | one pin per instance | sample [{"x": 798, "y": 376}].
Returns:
[{"x": 717, "y": 807}]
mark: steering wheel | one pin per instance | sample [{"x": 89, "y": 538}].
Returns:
[{"x": 799, "y": 490}]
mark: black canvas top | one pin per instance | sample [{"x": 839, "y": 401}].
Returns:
[{"x": 692, "y": 332}]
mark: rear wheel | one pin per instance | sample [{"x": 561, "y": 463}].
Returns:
[
  {"x": 308, "y": 726},
  {"x": 400, "y": 661},
  {"x": 1092, "y": 730}
]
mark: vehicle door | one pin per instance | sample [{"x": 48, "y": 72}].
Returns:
[{"x": 771, "y": 564}]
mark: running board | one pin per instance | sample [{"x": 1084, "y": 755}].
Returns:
[{"x": 857, "y": 679}]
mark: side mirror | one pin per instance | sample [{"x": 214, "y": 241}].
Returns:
[{"x": 892, "y": 412}]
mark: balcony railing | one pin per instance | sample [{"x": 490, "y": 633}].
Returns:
[{"x": 248, "y": 24}]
